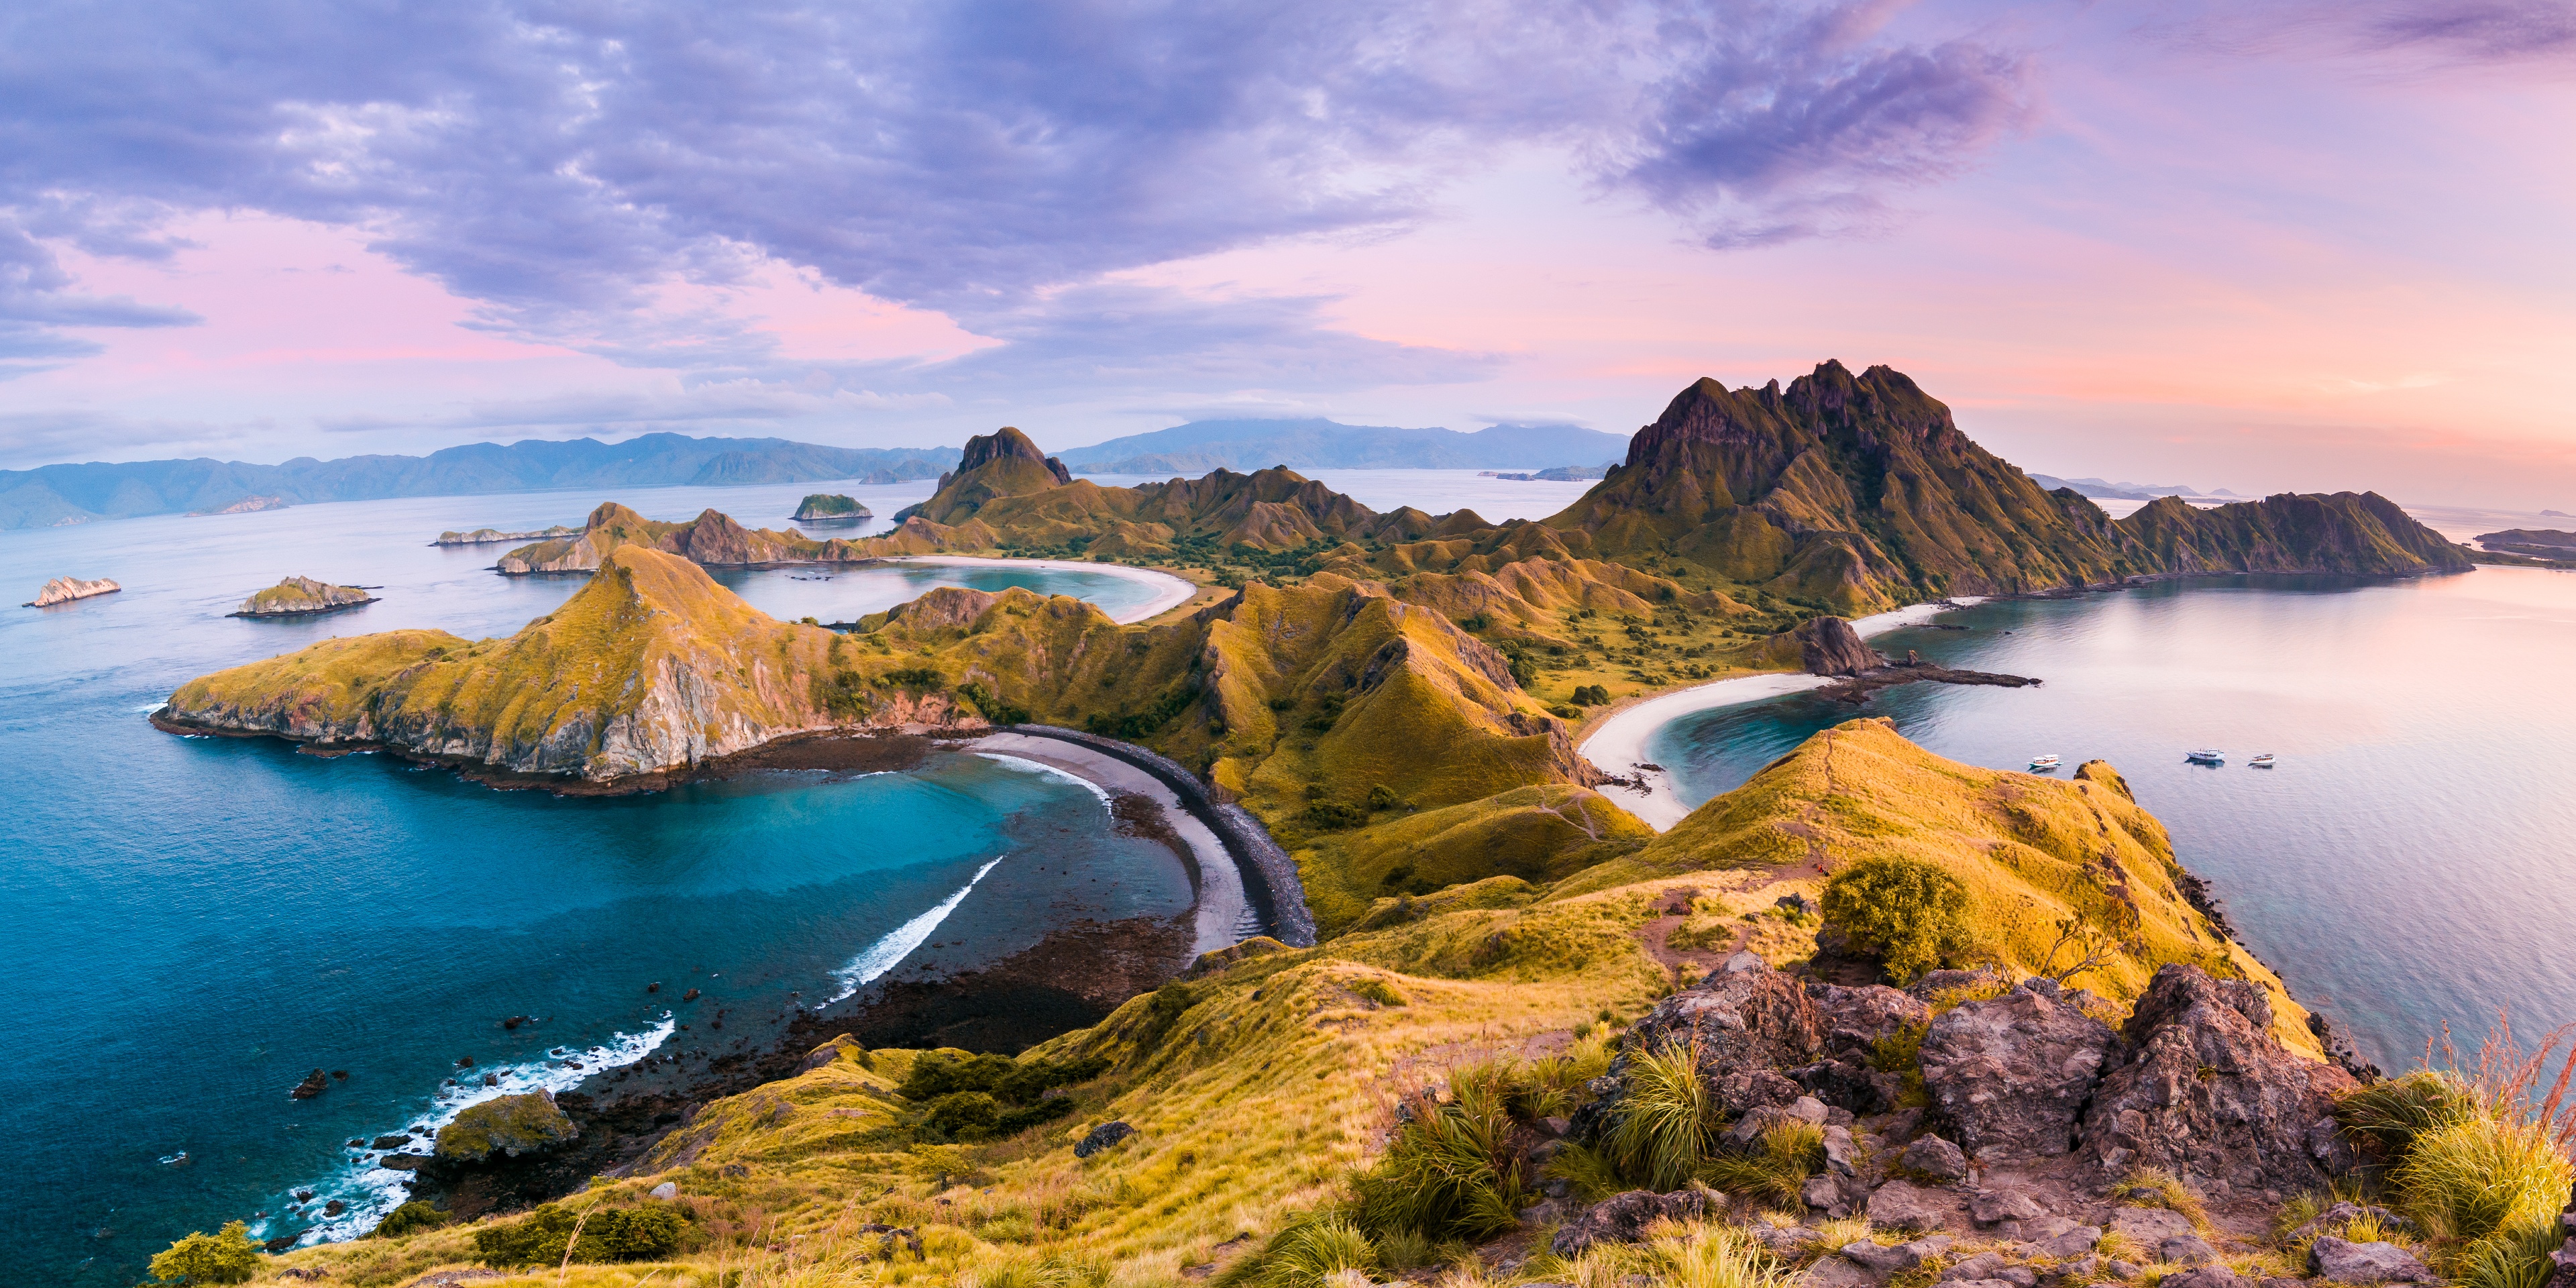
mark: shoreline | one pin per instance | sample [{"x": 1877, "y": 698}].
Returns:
[
  {"x": 1618, "y": 745},
  {"x": 1170, "y": 591}
]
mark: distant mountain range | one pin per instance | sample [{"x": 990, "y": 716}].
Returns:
[
  {"x": 1245, "y": 445},
  {"x": 2125, "y": 491},
  {"x": 59, "y": 494}
]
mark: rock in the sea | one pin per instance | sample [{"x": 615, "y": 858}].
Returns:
[
  {"x": 2011, "y": 1073},
  {"x": 510, "y": 1125},
  {"x": 2364, "y": 1263},
  {"x": 401, "y": 1162},
  {"x": 63, "y": 590},
  {"x": 1102, "y": 1137},
  {"x": 1622, "y": 1218},
  {"x": 1935, "y": 1159},
  {"x": 299, "y": 596},
  {"x": 314, "y": 1084},
  {"x": 390, "y": 1142},
  {"x": 2200, "y": 1085},
  {"x": 334, "y": 1208},
  {"x": 825, "y": 506}
]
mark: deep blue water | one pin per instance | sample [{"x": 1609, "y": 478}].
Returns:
[
  {"x": 192, "y": 924},
  {"x": 2412, "y": 858}
]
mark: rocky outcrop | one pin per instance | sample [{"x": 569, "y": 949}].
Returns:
[
  {"x": 2366, "y": 1263},
  {"x": 2199, "y": 1085},
  {"x": 1623, "y": 1218},
  {"x": 300, "y": 596},
  {"x": 509, "y": 1126},
  {"x": 1748, "y": 1023},
  {"x": 63, "y": 590},
  {"x": 712, "y": 540},
  {"x": 2011, "y": 1074},
  {"x": 826, "y": 507},
  {"x": 2344, "y": 532},
  {"x": 1829, "y": 646},
  {"x": 494, "y": 536},
  {"x": 1854, "y": 1022}
]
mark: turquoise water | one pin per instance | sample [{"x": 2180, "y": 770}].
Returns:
[
  {"x": 194, "y": 923},
  {"x": 2407, "y": 863}
]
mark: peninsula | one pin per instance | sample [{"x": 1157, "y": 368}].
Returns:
[
  {"x": 494, "y": 536},
  {"x": 302, "y": 597},
  {"x": 63, "y": 590}
]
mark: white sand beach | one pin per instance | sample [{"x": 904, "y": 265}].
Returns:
[
  {"x": 1169, "y": 591},
  {"x": 1618, "y": 745}
]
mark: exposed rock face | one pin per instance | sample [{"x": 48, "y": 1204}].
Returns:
[
  {"x": 1900, "y": 1206},
  {"x": 1004, "y": 443},
  {"x": 1622, "y": 1218},
  {"x": 713, "y": 540},
  {"x": 63, "y": 590},
  {"x": 2365, "y": 1263},
  {"x": 297, "y": 596},
  {"x": 2012, "y": 1073},
  {"x": 1829, "y": 646},
  {"x": 2200, "y": 1085},
  {"x": 1854, "y": 1021},
  {"x": 1747, "y": 1025},
  {"x": 2344, "y": 532},
  {"x": 1102, "y": 1137}
]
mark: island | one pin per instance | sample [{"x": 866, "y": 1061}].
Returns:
[
  {"x": 302, "y": 597},
  {"x": 826, "y": 507},
  {"x": 63, "y": 590},
  {"x": 1874, "y": 1014},
  {"x": 246, "y": 505},
  {"x": 2545, "y": 543},
  {"x": 494, "y": 536}
]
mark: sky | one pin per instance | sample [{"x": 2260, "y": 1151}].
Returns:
[{"x": 2264, "y": 245}]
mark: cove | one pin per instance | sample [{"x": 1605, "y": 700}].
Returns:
[{"x": 2404, "y": 865}]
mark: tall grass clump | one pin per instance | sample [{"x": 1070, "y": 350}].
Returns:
[
  {"x": 1674, "y": 1255},
  {"x": 2476, "y": 1176},
  {"x": 1777, "y": 1168},
  {"x": 1306, "y": 1254},
  {"x": 1662, "y": 1137},
  {"x": 1451, "y": 1171},
  {"x": 2386, "y": 1117}
]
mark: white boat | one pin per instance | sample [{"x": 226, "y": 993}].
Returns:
[
  {"x": 2263, "y": 761},
  {"x": 2205, "y": 757},
  {"x": 2042, "y": 764}
]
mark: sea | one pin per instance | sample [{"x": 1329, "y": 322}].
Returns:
[
  {"x": 2407, "y": 864},
  {"x": 194, "y": 924}
]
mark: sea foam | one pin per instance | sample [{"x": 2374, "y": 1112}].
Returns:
[
  {"x": 884, "y": 954},
  {"x": 1040, "y": 767}
]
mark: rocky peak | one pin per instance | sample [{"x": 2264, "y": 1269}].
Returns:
[
  {"x": 1829, "y": 646},
  {"x": 1003, "y": 444}
]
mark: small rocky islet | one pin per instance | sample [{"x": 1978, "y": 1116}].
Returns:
[
  {"x": 63, "y": 590},
  {"x": 827, "y": 507},
  {"x": 1875, "y": 1019},
  {"x": 302, "y": 597}
]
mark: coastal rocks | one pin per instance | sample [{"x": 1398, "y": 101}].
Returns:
[
  {"x": 2201, "y": 1085},
  {"x": 63, "y": 590},
  {"x": 1829, "y": 646},
  {"x": 510, "y": 1126},
  {"x": 389, "y": 1142},
  {"x": 1102, "y": 1137},
  {"x": 2365, "y": 1263},
  {"x": 826, "y": 507},
  {"x": 1622, "y": 1218},
  {"x": 494, "y": 536},
  {"x": 302, "y": 596},
  {"x": 2011, "y": 1073},
  {"x": 314, "y": 1084}
]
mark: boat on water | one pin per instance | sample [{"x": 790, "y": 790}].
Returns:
[
  {"x": 2205, "y": 757},
  {"x": 2263, "y": 761},
  {"x": 2042, "y": 764}
]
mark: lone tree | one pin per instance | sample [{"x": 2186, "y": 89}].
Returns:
[
  {"x": 200, "y": 1258},
  {"x": 1910, "y": 913}
]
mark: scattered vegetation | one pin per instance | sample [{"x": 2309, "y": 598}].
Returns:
[
  {"x": 225, "y": 1257},
  {"x": 1907, "y": 912}
]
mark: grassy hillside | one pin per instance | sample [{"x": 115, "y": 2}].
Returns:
[{"x": 1259, "y": 1085}]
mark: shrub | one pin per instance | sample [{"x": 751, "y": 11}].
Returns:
[
  {"x": 2516, "y": 1256},
  {"x": 1778, "y": 1167},
  {"x": 1661, "y": 1138},
  {"x": 1378, "y": 991},
  {"x": 2479, "y": 1175},
  {"x": 1451, "y": 1171},
  {"x": 991, "y": 705},
  {"x": 1331, "y": 815},
  {"x": 1382, "y": 797},
  {"x": 554, "y": 1233},
  {"x": 418, "y": 1214},
  {"x": 1305, "y": 1255},
  {"x": 1910, "y": 913},
  {"x": 2388, "y": 1116},
  {"x": 226, "y": 1257},
  {"x": 963, "y": 1115},
  {"x": 1016, "y": 1082}
]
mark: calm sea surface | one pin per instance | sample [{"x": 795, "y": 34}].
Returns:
[{"x": 2411, "y": 860}]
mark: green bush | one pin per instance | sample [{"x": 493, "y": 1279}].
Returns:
[
  {"x": 2388, "y": 1116},
  {"x": 1909, "y": 913},
  {"x": 1662, "y": 1136},
  {"x": 963, "y": 1115},
  {"x": 1018, "y": 1082},
  {"x": 593, "y": 1236},
  {"x": 418, "y": 1214},
  {"x": 227, "y": 1257},
  {"x": 1378, "y": 991}
]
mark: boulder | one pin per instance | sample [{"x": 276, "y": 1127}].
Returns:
[
  {"x": 401, "y": 1162},
  {"x": 1829, "y": 646},
  {"x": 1834, "y": 1272},
  {"x": 2200, "y": 1085},
  {"x": 1898, "y": 1205},
  {"x": 1855, "y": 1020},
  {"x": 1622, "y": 1217},
  {"x": 1821, "y": 1192},
  {"x": 2010, "y": 1074},
  {"x": 2073, "y": 1243},
  {"x": 1990, "y": 1267},
  {"x": 1881, "y": 1259},
  {"x": 508, "y": 1125},
  {"x": 2214, "y": 1275},
  {"x": 667, "y": 1191},
  {"x": 1746, "y": 1024},
  {"x": 1935, "y": 1159},
  {"x": 2364, "y": 1263},
  {"x": 2186, "y": 1250},
  {"x": 1102, "y": 1137},
  {"x": 1850, "y": 1085},
  {"x": 390, "y": 1142},
  {"x": 1988, "y": 1207},
  {"x": 2148, "y": 1227}
]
